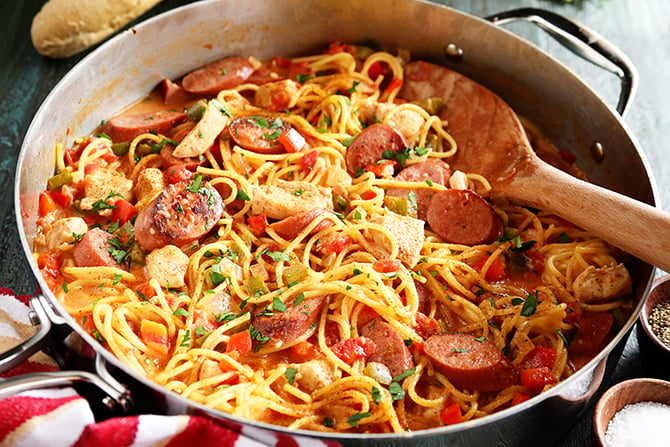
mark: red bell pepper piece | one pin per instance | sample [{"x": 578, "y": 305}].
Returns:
[
  {"x": 496, "y": 271},
  {"x": 292, "y": 140},
  {"x": 239, "y": 342},
  {"x": 123, "y": 212},
  {"x": 536, "y": 377},
  {"x": 258, "y": 223},
  {"x": 308, "y": 160},
  {"x": 383, "y": 169},
  {"x": 387, "y": 265},
  {"x": 519, "y": 398},
  {"x": 178, "y": 173},
  {"x": 592, "y": 332},
  {"x": 451, "y": 415},
  {"x": 353, "y": 349},
  {"x": 335, "y": 244},
  {"x": 540, "y": 356},
  {"x": 47, "y": 205}
]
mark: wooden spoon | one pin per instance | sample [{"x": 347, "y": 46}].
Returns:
[{"x": 492, "y": 142}]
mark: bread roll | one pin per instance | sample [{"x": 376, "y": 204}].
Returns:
[{"x": 65, "y": 27}]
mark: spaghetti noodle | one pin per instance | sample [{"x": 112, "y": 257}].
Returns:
[{"x": 226, "y": 332}]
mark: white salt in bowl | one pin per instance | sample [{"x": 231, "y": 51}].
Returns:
[
  {"x": 637, "y": 409},
  {"x": 659, "y": 296}
]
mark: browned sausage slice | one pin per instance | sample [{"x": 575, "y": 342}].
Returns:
[
  {"x": 174, "y": 93},
  {"x": 259, "y": 134},
  {"x": 369, "y": 145},
  {"x": 296, "y": 320},
  {"x": 391, "y": 349},
  {"x": 463, "y": 217},
  {"x": 290, "y": 227},
  {"x": 127, "y": 127},
  {"x": 93, "y": 250},
  {"x": 225, "y": 73},
  {"x": 178, "y": 215},
  {"x": 469, "y": 363},
  {"x": 434, "y": 170}
]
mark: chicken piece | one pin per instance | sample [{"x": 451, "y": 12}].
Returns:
[
  {"x": 338, "y": 179},
  {"x": 228, "y": 267},
  {"x": 105, "y": 185},
  {"x": 408, "y": 122},
  {"x": 210, "y": 368},
  {"x": 285, "y": 199},
  {"x": 61, "y": 237},
  {"x": 314, "y": 375},
  {"x": 168, "y": 266},
  {"x": 278, "y": 95},
  {"x": 149, "y": 182},
  {"x": 209, "y": 308},
  {"x": 408, "y": 234},
  {"x": 602, "y": 283},
  {"x": 199, "y": 139}
]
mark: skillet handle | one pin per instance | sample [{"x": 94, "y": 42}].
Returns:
[
  {"x": 583, "y": 42},
  {"x": 52, "y": 326}
]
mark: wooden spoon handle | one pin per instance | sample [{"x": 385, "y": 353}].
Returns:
[{"x": 635, "y": 227}]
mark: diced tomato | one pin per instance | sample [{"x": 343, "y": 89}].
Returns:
[
  {"x": 416, "y": 347},
  {"x": 540, "y": 356},
  {"x": 178, "y": 173},
  {"x": 353, "y": 349},
  {"x": 282, "y": 62},
  {"x": 292, "y": 140},
  {"x": 574, "y": 312},
  {"x": 536, "y": 377},
  {"x": 147, "y": 292},
  {"x": 496, "y": 271},
  {"x": 123, "y": 212},
  {"x": 536, "y": 259},
  {"x": 451, "y": 414},
  {"x": 271, "y": 247},
  {"x": 335, "y": 244},
  {"x": 239, "y": 342},
  {"x": 519, "y": 398},
  {"x": 387, "y": 265},
  {"x": 369, "y": 195},
  {"x": 383, "y": 169},
  {"x": 155, "y": 335},
  {"x": 258, "y": 223},
  {"x": 304, "y": 351},
  {"x": 49, "y": 264},
  {"x": 366, "y": 315},
  {"x": 376, "y": 70},
  {"x": 308, "y": 160},
  {"x": 63, "y": 197},
  {"x": 592, "y": 332},
  {"x": 337, "y": 47},
  {"x": 396, "y": 83},
  {"x": 331, "y": 333},
  {"x": 300, "y": 68},
  {"x": 426, "y": 326},
  {"x": 47, "y": 205}
]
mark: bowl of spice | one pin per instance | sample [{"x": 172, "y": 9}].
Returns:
[
  {"x": 633, "y": 413},
  {"x": 655, "y": 314}
]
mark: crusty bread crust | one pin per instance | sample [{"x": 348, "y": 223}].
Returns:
[{"x": 65, "y": 27}]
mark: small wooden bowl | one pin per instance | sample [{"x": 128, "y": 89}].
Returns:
[
  {"x": 660, "y": 292},
  {"x": 624, "y": 393}
]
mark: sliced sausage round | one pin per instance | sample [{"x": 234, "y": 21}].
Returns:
[
  {"x": 290, "y": 227},
  {"x": 369, "y": 145},
  {"x": 463, "y": 217},
  {"x": 126, "y": 127},
  {"x": 174, "y": 93},
  {"x": 222, "y": 74},
  {"x": 434, "y": 170},
  {"x": 178, "y": 216},
  {"x": 258, "y": 134},
  {"x": 469, "y": 363},
  {"x": 295, "y": 321},
  {"x": 93, "y": 250},
  {"x": 391, "y": 349}
]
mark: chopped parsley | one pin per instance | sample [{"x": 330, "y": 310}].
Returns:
[
  {"x": 181, "y": 312},
  {"x": 278, "y": 305},
  {"x": 376, "y": 395},
  {"x": 529, "y": 305},
  {"x": 355, "y": 418},
  {"x": 290, "y": 375}
]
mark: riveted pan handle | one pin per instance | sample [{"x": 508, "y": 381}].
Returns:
[
  {"x": 583, "y": 42},
  {"x": 53, "y": 327}
]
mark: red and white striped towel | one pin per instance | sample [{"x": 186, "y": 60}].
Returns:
[{"x": 61, "y": 417}]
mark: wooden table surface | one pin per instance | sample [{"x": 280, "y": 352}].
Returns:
[{"x": 639, "y": 28}]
